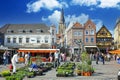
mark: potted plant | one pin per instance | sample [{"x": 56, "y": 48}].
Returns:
[{"x": 30, "y": 75}]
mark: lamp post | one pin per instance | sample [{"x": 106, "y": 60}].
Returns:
[{"x": 78, "y": 42}]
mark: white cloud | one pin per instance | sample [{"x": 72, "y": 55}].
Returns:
[
  {"x": 54, "y": 18},
  {"x": 84, "y": 2},
  {"x": 98, "y": 3},
  {"x": 82, "y": 18},
  {"x": 98, "y": 23},
  {"x": 51, "y": 4},
  {"x": 109, "y": 3}
]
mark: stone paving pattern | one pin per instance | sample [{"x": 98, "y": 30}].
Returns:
[{"x": 108, "y": 71}]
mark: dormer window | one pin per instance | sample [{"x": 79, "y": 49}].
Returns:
[
  {"x": 30, "y": 31},
  {"x": 12, "y": 31},
  {"x": 41, "y": 31},
  {"x": 23, "y": 31}
]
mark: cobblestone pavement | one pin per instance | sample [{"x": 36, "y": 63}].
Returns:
[{"x": 108, "y": 71}]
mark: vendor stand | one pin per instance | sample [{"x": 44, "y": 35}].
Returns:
[{"x": 43, "y": 53}]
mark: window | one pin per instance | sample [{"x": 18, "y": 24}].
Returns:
[
  {"x": 92, "y": 39},
  {"x": 20, "y": 40},
  {"x": 86, "y": 32},
  {"x": 10, "y": 31},
  {"x": 41, "y": 31},
  {"x": 27, "y": 40},
  {"x": 24, "y": 31},
  {"x": 52, "y": 40},
  {"x": 53, "y": 32},
  {"x": 89, "y": 26},
  {"x": 38, "y": 40},
  {"x": 14, "y": 40},
  {"x": 86, "y": 39},
  {"x": 30, "y": 31},
  {"x": 79, "y": 33},
  {"x": 92, "y": 32},
  {"x": 46, "y": 39},
  {"x": 75, "y": 34},
  {"x": 8, "y": 40}
]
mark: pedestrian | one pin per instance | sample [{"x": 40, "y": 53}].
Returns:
[
  {"x": 56, "y": 62},
  {"x": 115, "y": 56},
  {"x": 108, "y": 57},
  {"x": 103, "y": 58},
  {"x": 26, "y": 59},
  {"x": 5, "y": 58},
  {"x": 62, "y": 57},
  {"x": 97, "y": 57},
  {"x": 14, "y": 60},
  {"x": 50, "y": 57}
]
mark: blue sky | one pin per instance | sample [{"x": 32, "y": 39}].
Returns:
[{"x": 48, "y": 11}]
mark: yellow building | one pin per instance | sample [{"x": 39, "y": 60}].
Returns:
[
  {"x": 117, "y": 34},
  {"x": 104, "y": 39}
]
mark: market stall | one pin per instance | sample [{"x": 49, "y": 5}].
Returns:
[{"x": 42, "y": 53}]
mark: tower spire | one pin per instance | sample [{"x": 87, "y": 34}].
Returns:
[{"x": 62, "y": 20}]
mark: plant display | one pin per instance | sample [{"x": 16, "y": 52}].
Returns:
[
  {"x": 85, "y": 68},
  {"x": 67, "y": 69},
  {"x": 5, "y": 73},
  {"x": 30, "y": 74}
]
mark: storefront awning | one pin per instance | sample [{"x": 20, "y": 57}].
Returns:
[
  {"x": 114, "y": 51},
  {"x": 38, "y": 50},
  {"x": 91, "y": 46}
]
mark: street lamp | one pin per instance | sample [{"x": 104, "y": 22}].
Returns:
[{"x": 78, "y": 42}]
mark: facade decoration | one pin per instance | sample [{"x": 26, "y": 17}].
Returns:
[{"x": 104, "y": 39}]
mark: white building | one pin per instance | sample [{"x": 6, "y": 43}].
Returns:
[{"x": 28, "y": 35}]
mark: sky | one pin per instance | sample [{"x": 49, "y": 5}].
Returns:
[{"x": 101, "y": 12}]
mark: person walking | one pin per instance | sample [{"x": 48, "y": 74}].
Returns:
[
  {"x": 108, "y": 57},
  {"x": 56, "y": 62},
  {"x": 50, "y": 57},
  {"x": 103, "y": 58},
  {"x": 26, "y": 59},
  {"x": 5, "y": 58},
  {"x": 97, "y": 57},
  {"x": 14, "y": 60}
]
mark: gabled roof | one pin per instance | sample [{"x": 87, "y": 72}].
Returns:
[
  {"x": 105, "y": 29},
  {"x": 31, "y": 27},
  {"x": 88, "y": 23},
  {"x": 77, "y": 25}
]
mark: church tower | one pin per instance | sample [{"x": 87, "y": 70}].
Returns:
[
  {"x": 61, "y": 30},
  {"x": 62, "y": 27}
]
